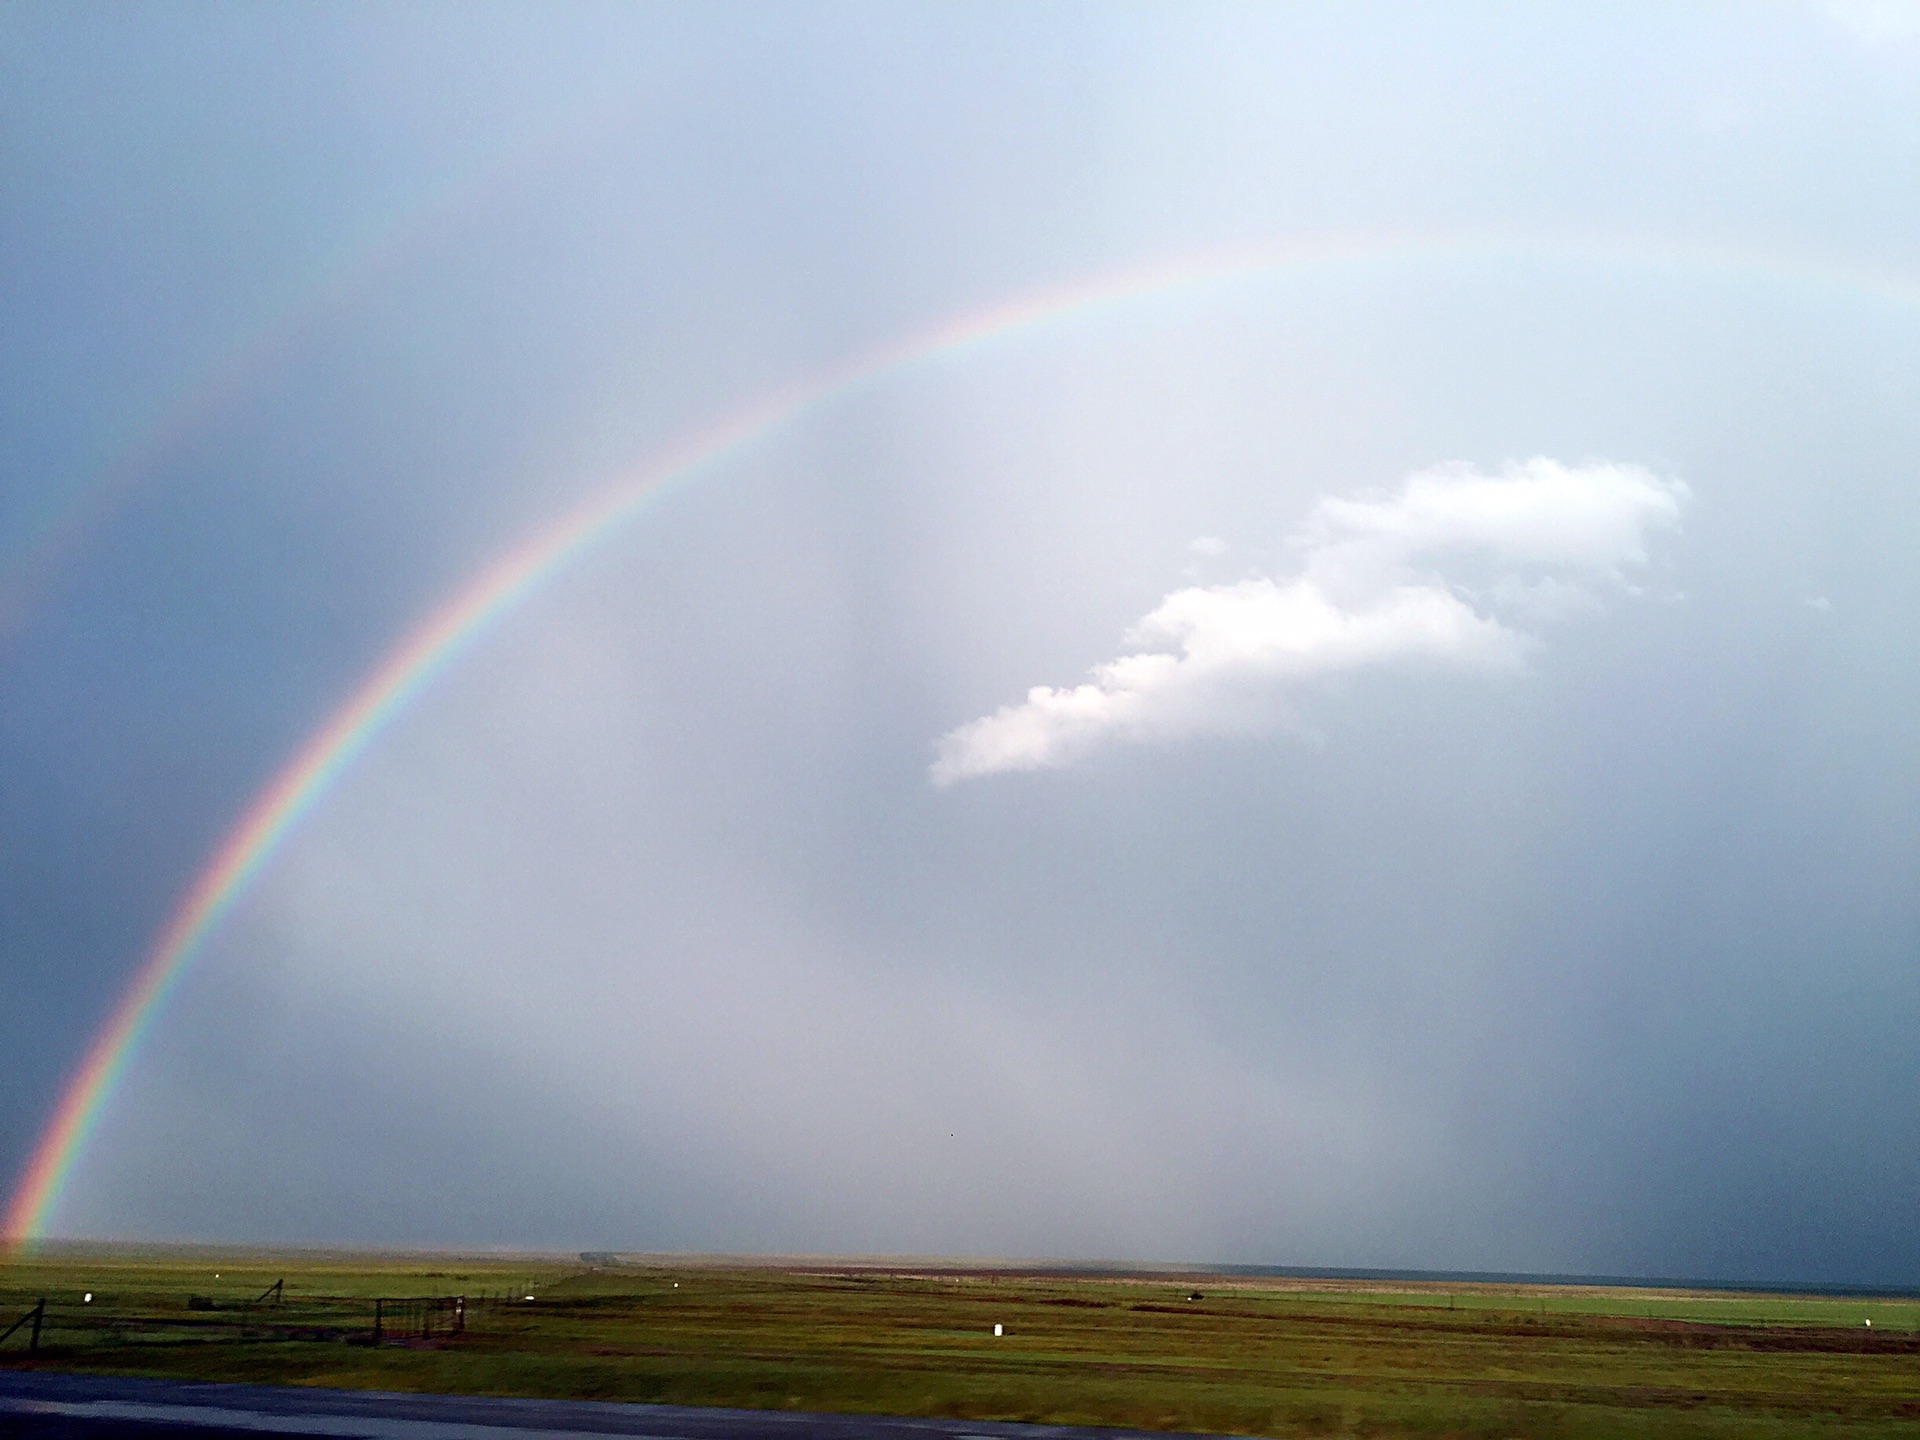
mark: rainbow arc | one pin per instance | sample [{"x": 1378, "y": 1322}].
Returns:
[{"x": 463, "y": 619}]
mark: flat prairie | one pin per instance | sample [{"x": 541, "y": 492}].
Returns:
[{"x": 1160, "y": 1350}]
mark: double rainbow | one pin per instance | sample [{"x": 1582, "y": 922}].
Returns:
[{"x": 463, "y": 620}]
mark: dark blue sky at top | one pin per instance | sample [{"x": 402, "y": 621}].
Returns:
[{"x": 645, "y": 927}]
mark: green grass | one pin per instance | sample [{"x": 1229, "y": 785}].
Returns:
[{"x": 1258, "y": 1357}]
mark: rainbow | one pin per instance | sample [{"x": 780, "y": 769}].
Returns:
[
  {"x": 459, "y": 622},
  {"x": 331, "y": 282}
]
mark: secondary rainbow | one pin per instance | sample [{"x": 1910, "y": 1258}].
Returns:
[
  {"x": 463, "y": 619},
  {"x": 337, "y": 277}
]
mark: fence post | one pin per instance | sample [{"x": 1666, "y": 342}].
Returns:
[{"x": 32, "y": 1316}]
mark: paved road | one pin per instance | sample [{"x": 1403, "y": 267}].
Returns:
[{"x": 44, "y": 1405}]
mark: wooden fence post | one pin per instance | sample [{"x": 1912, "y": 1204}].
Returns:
[{"x": 33, "y": 1317}]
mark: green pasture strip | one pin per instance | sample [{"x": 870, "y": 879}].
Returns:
[
  {"x": 1248, "y": 1357},
  {"x": 1734, "y": 1308}
]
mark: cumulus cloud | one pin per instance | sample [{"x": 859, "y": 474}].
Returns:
[{"x": 1456, "y": 570}]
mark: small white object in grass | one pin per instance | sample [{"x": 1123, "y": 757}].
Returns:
[
  {"x": 1869, "y": 1324},
  {"x": 87, "y": 1299},
  {"x": 676, "y": 1284},
  {"x": 997, "y": 1330},
  {"x": 529, "y": 1297}
]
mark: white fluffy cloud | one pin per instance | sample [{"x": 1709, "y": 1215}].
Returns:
[{"x": 1453, "y": 570}]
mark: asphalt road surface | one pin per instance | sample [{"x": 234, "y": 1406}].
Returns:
[{"x": 47, "y": 1406}]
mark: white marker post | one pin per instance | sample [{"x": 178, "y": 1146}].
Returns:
[{"x": 998, "y": 1331}]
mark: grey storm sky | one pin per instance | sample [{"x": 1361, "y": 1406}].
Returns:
[{"x": 1400, "y": 761}]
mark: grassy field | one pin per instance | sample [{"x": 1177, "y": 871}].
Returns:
[{"x": 1251, "y": 1356}]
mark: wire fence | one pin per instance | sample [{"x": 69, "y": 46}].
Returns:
[{"x": 274, "y": 1316}]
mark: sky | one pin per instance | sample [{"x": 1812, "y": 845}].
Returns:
[{"x": 1321, "y": 672}]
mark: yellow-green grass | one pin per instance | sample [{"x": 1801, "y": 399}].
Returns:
[{"x": 1254, "y": 1356}]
